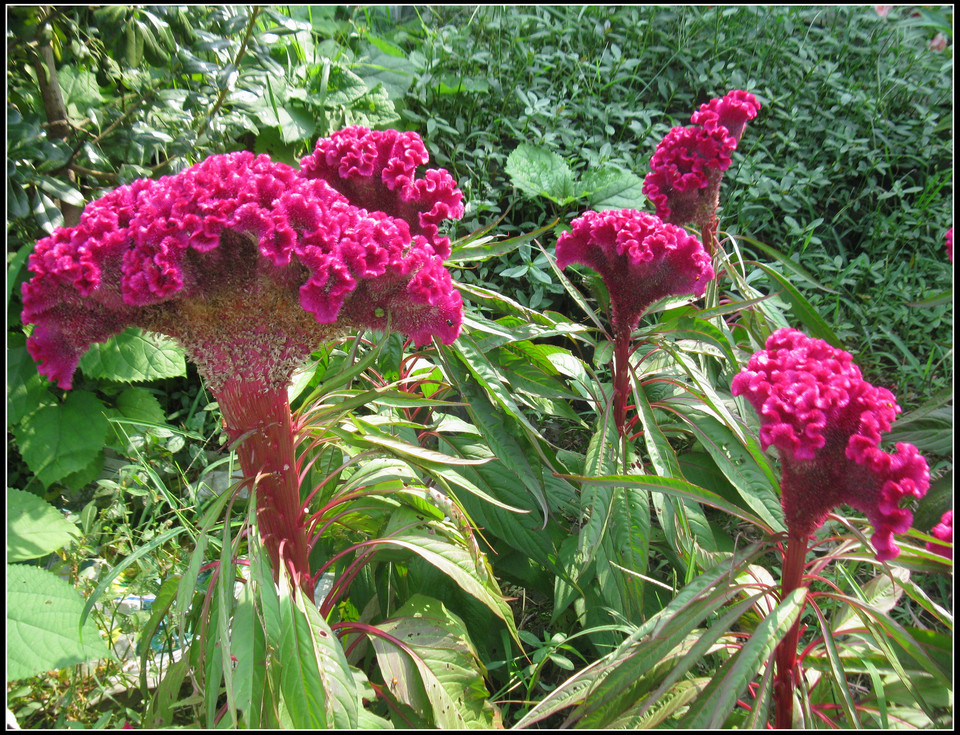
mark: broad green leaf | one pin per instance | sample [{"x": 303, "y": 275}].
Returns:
[
  {"x": 744, "y": 467},
  {"x": 611, "y": 188},
  {"x": 34, "y": 527},
  {"x": 302, "y": 690},
  {"x": 335, "y": 673},
  {"x": 458, "y": 564},
  {"x": 26, "y": 388},
  {"x": 540, "y": 172},
  {"x": 80, "y": 90},
  {"x": 490, "y": 421},
  {"x": 524, "y": 531},
  {"x": 136, "y": 404},
  {"x": 134, "y": 356},
  {"x": 343, "y": 87},
  {"x": 17, "y": 203},
  {"x": 58, "y": 440},
  {"x": 48, "y": 215},
  {"x": 719, "y": 697},
  {"x": 43, "y": 612},
  {"x": 61, "y": 190},
  {"x": 436, "y": 649},
  {"x": 386, "y": 65},
  {"x": 881, "y": 592}
]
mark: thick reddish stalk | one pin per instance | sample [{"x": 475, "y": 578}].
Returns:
[
  {"x": 260, "y": 417},
  {"x": 621, "y": 378},
  {"x": 785, "y": 682}
]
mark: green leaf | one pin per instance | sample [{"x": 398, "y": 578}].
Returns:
[
  {"x": 336, "y": 674},
  {"x": 657, "y": 662},
  {"x": 437, "y": 651},
  {"x": 26, "y": 388},
  {"x": 539, "y": 172},
  {"x": 42, "y": 631},
  {"x": 301, "y": 687},
  {"x": 611, "y": 188},
  {"x": 719, "y": 697},
  {"x": 48, "y": 215},
  {"x": 675, "y": 488},
  {"x": 17, "y": 203},
  {"x": 684, "y": 612},
  {"x": 34, "y": 527},
  {"x": 343, "y": 87},
  {"x": 58, "y": 440},
  {"x": 802, "y": 308},
  {"x": 80, "y": 90},
  {"x": 137, "y": 404},
  {"x": 134, "y": 356},
  {"x": 458, "y": 564},
  {"x": 61, "y": 190}
]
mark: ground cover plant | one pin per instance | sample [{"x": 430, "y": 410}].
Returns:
[{"x": 522, "y": 367}]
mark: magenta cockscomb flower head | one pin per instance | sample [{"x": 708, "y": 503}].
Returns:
[
  {"x": 826, "y": 421},
  {"x": 949, "y": 239},
  {"x": 640, "y": 258},
  {"x": 685, "y": 174},
  {"x": 732, "y": 111},
  {"x": 252, "y": 265},
  {"x": 377, "y": 169},
  {"x": 688, "y": 164},
  {"x": 943, "y": 531},
  {"x": 248, "y": 264}
]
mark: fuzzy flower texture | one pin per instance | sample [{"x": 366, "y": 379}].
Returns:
[
  {"x": 251, "y": 264},
  {"x": 826, "y": 421},
  {"x": 943, "y": 531},
  {"x": 640, "y": 258},
  {"x": 687, "y": 166}
]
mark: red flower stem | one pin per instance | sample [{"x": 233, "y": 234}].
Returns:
[
  {"x": 260, "y": 418},
  {"x": 621, "y": 379},
  {"x": 786, "y": 654}
]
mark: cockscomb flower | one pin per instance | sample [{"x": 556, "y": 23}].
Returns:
[
  {"x": 949, "y": 239},
  {"x": 943, "y": 531},
  {"x": 640, "y": 258},
  {"x": 251, "y": 266},
  {"x": 685, "y": 174},
  {"x": 826, "y": 421},
  {"x": 688, "y": 164},
  {"x": 376, "y": 169},
  {"x": 732, "y": 111}
]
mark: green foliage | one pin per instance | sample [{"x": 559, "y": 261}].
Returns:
[
  {"x": 641, "y": 569},
  {"x": 43, "y": 616}
]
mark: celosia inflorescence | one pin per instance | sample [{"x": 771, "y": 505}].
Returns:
[
  {"x": 249, "y": 263},
  {"x": 943, "y": 531},
  {"x": 826, "y": 421},
  {"x": 377, "y": 170},
  {"x": 688, "y": 164},
  {"x": 640, "y": 258}
]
